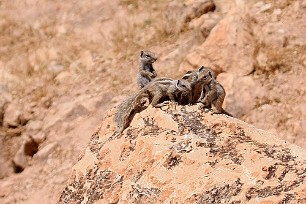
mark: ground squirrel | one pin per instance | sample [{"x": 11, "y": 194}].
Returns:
[
  {"x": 157, "y": 92},
  {"x": 180, "y": 92},
  {"x": 195, "y": 78},
  {"x": 146, "y": 71},
  {"x": 205, "y": 89},
  {"x": 213, "y": 93},
  {"x": 191, "y": 77}
]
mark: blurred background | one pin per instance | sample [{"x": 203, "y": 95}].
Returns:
[{"x": 64, "y": 64}]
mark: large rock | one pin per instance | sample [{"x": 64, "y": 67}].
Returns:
[
  {"x": 180, "y": 13},
  {"x": 242, "y": 93},
  {"x": 181, "y": 155},
  {"x": 229, "y": 47},
  {"x": 205, "y": 23}
]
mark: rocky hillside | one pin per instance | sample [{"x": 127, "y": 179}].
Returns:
[
  {"x": 179, "y": 154},
  {"x": 63, "y": 65}
]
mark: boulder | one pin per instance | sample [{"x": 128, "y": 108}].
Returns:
[
  {"x": 205, "y": 23},
  {"x": 180, "y": 13},
  {"x": 242, "y": 93},
  {"x": 230, "y": 47},
  {"x": 179, "y": 154}
]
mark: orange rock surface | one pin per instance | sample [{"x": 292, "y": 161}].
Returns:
[{"x": 179, "y": 154}]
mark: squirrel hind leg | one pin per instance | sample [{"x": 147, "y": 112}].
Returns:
[
  {"x": 217, "y": 104},
  {"x": 216, "y": 108}
]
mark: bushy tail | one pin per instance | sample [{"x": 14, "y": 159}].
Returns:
[
  {"x": 122, "y": 114},
  {"x": 126, "y": 111}
]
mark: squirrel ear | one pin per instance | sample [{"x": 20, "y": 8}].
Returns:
[
  {"x": 210, "y": 74},
  {"x": 177, "y": 83},
  {"x": 201, "y": 68},
  {"x": 141, "y": 53},
  {"x": 186, "y": 75}
]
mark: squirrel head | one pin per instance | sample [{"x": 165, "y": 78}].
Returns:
[
  {"x": 206, "y": 70},
  {"x": 147, "y": 56},
  {"x": 187, "y": 75},
  {"x": 183, "y": 85}
]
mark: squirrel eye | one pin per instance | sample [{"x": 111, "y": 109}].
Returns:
[{"x": 204, "y": 77}]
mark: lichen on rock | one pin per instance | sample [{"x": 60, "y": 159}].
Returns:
[{"x": 181, "y": 154}]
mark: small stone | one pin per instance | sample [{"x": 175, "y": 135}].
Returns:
[
  {"x": 277, "y": 12},
  {"x": 5, "y": 188},
  {"x": 39, "y": 138},
  {"x": 55, "y": 68},
  {"x": 43, "y": 153},
  {"x": 265, "y": 7},
  {"x": 262, "y": 59},
  {"x": 34, "y": 126},
  {"x": 12, "y": 115}
]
